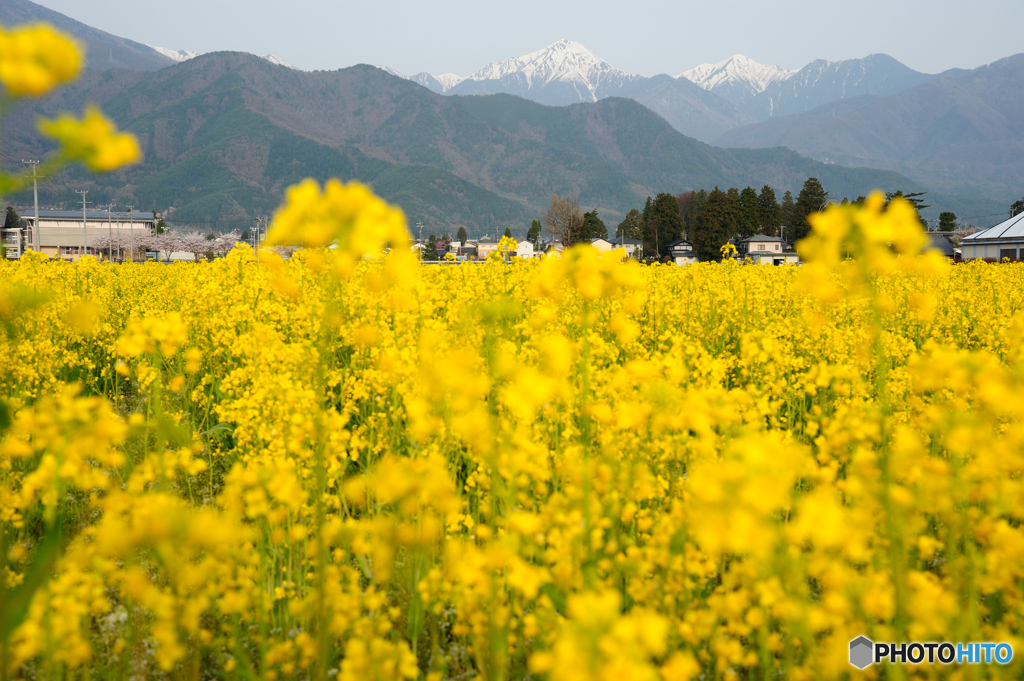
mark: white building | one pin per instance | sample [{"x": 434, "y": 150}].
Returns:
[
  {"x": 1005, "y": 240},
  {"x": 524, "y": 249},
  {"x": 681, "y": 252},
  {"x": 631, "y": 246},
  {"x": 766, "y": 250},
  {"x": 62, "y": 233}
]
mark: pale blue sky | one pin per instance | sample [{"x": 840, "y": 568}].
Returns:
[{"x": 644, "y": 36}]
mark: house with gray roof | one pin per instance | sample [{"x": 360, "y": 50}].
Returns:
[{"x": 1005, "y": 240}]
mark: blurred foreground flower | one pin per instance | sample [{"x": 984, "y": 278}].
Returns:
[
  {"x": 94, "y": 140},
  {"x": 35, "y": 59}
]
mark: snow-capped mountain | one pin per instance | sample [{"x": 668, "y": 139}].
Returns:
[
  {"x": 703, "y": 102},
  {"x": 824, "y": 81},
  {"x": 449, "y": 80},
  {"x": 391, "y": 71},
  {"x": 564, "y": 72},
  {"x": 771, "y": 91},
  {"x": 176, "y": 55},
  {"x": 737, "y": 70},
  {"x": 280, "y": 62}
]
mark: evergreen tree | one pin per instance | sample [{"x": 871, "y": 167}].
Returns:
[
  {"x": 750, "y": 212},
  {"x": 689, "y": 206},
  {"x": 812, "y": 199},
  {"x": 732, "y": 212},
  {"x": 1016, "y": 208},
  {"x": 664, "y": 223},
  {"x": 632, "y": 227},
  {"x": 508, "y": 231},
  {"x": 430, "y": 248},
  {"x": 649, "y": 230},
  {"x": 947, "y": 221},
  {"x": 786, "y": 215},
  {"x": 462, "y": 236},
  {"x": 771, "y": 214},
  {"x": 533, "y": 234},
  {"x": 709, "y": 230},
  {"x": 593, "y": 227},
  {"x": 915, "y": 200},
  {"x": 14, "y": 220}
]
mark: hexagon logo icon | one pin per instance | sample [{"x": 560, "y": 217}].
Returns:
[{"x": 862, "y": 652}]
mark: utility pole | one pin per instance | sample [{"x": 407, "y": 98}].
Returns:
[
  {"x": 35, "y": 193},
  {"x": 131, "y": 231},
  {"x": 110, "y": 236},
  {"x": 85, "y": 223}
]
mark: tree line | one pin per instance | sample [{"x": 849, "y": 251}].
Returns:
[{"x": 709, "y": 219}]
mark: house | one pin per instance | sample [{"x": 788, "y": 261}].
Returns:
[
  {"x": 485, "y": 247},
  {"x": 1005, "y": 240},
  {"x": 551, "y": 245},
  {"x": 941, "y": 242},
  {"x": 681, "y": 252},
  {"x": 759, "y": 243},
  {"x": 524, "y": 249},
  {"x": 631, "y": 246},
  {"x": 766, "y": 250},
  {"x": 63, "y": 235}
]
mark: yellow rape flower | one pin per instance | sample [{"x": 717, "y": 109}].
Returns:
[
  {"x": 93, "y": 139},
  {"x": 35, "y": 59}
]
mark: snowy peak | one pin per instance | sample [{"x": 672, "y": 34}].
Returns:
[
  {"x": 439, "y": 84},
  {"x": 449, "y": 80},
  {"x": 565, "y": 61},
  {"x": 176, "y": 55},
  {"x": 279, "y": 62},
  {"x": 737, "y": 70},
  {"x": 388, "y": 69}
]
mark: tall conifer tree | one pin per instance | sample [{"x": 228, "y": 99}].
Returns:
[
  {"x": 750, "y": 212},
  {"x": 709, "y": 230},
  {"x": 812, "y": 199},
  {"x": 771, "y": 214}
]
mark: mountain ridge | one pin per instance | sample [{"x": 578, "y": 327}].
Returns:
[
  {"x": 959, "y": 132},
  {"x": 225, "y": 133},
  {"x": 103, "y": 50}
]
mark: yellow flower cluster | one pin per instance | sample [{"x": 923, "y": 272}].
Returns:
[
  {"x": 35, "y": 59},
  {"x": 93, "y": 140},
  {"x": 569, "y": 467}
]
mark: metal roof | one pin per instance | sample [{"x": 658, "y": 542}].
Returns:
[
  {"x": 1008, "y": 229},
  {"x": 97, "y": 215},
  {"x": 761, "y": 237}
]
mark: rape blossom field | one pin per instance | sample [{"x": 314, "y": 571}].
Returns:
[{"x": 337, "y": 466}]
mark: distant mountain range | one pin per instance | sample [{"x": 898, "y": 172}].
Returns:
[
  {"x": 224, "y": 133},
  {"x": 103, "y": 50},
  {"x": 960, "y": 133},
  {"x": 483, "y": 157},
  {"x": 731, "y": 93}
]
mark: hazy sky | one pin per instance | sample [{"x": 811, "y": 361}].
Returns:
[{"x": 643, "y": 36}]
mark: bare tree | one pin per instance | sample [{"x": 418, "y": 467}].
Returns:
[{"x": 564, "y": 219}]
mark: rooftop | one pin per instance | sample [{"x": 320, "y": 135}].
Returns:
[
  {"x": 28, "y": 214},
  {"x": 1008, "y": 229}
]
